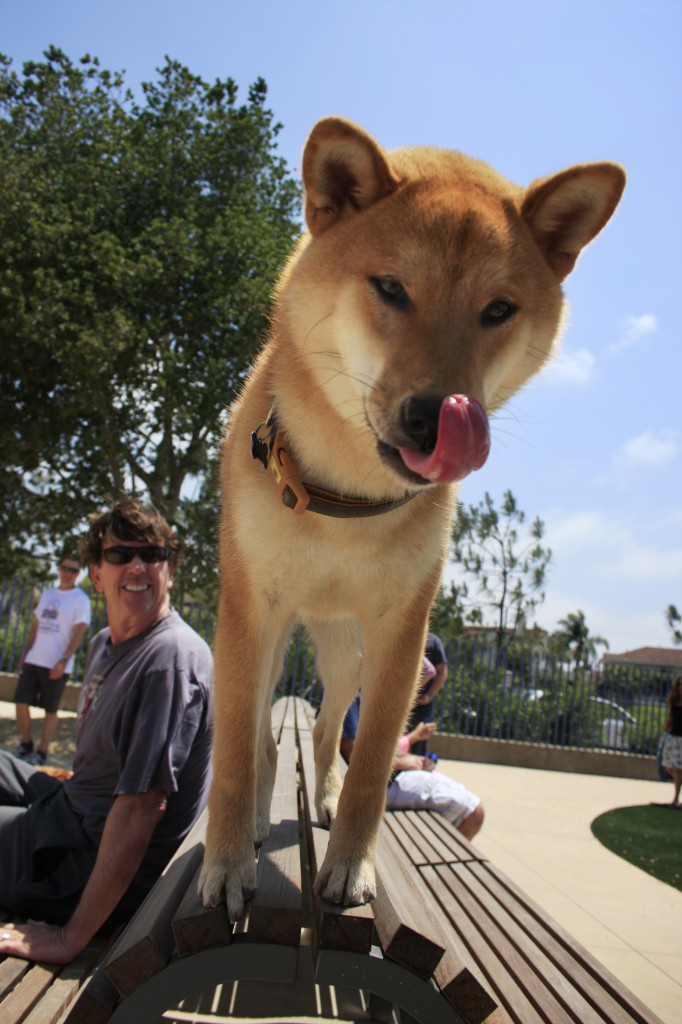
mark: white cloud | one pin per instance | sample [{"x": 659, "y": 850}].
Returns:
[
  {"x": 646, "y": 563},
  {"x": 572, "y": 369},
  {"x": 636, "y": 331},
  {"x": 649, "y": 449},
  {"x": 582, "y": 530}
]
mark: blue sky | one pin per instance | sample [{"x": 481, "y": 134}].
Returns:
[{"x": 594, "y": 446}]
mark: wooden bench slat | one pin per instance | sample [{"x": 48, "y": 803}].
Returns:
[
  {"x": 600, "y": 988},
  {"x": 36, "y": 982},
  {"x": 424, "y": 842},
  {"x": 196, "y": 927},
  {"x": 531, "y": 949},
  {"x": 398, "y": 913},
  {"x": 461, "y": 848},
  {"x": 285, "y": 796},
  {"x": 96, "y": 1002},
  {"x": 277, "y": 713},
  {"x": 461, "y": 986},
  {"x": 65, "y": 986},
  {"x": 348, "y": 929},
  {"x": 11, "y": 970},
  {"x": 276, "y": 911},
  {"x": 473, "y": 935},
  {"x": 148, "y": 941}
]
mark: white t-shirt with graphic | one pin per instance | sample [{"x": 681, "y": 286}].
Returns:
[{"x": 57, "y": 612}]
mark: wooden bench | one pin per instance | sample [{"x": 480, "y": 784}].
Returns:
[{"x": 448, "y": 938}]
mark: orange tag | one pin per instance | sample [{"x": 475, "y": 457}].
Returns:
[{"x": 286, "y": 473}]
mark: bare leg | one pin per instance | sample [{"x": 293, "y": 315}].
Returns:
[
  {"x": 471, "y": 825},
  {"x": 49, "y": 729},
  {"x": 677, "y": 780},
  {"x": 24, "y": 722}
]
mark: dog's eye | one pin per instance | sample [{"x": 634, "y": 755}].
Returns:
[
  {"x": 497, "y": 312},
  {"x": 391, "y": 290}
]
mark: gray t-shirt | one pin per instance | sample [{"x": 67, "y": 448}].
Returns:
[{"x": 145, "y": 723}]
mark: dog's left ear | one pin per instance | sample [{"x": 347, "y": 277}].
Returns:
[
  {"x": 565, "y": 212},
  {"x": 344, "y": 170}
]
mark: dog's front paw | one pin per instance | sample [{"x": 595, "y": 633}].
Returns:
[
  {"x": 350, "y": 881},
  {"x": 223, "y": 880}
]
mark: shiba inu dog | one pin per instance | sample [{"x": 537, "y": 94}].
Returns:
[{"x": 425, "y": 293}]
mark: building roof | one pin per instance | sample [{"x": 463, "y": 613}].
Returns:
[{"x": 665, "y": 657}]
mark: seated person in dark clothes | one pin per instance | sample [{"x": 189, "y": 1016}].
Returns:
[
  {"x": 81, "y": 854},
  {"x": 430, "y": 686}
]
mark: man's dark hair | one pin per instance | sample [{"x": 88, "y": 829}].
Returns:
[
  {"x": 71, "y": 556},
  {"x": 129, "y": 520}
]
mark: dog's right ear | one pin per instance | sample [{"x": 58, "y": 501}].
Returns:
[{"x": 344, "y": 170}]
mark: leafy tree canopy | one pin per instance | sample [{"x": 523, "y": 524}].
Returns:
[
  {"x": 503, "y": 567},
  {"x": 138, "y": 246}
]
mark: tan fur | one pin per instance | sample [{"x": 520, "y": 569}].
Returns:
[{"x": 339, "y": 364}]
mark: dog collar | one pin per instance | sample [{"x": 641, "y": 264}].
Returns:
[{"x": 269, "y": 446}]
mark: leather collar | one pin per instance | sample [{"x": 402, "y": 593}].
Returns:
[{"x": 269, "y": 446}]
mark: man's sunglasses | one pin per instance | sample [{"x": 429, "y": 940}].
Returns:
[
  {"x": 149, "y": 553},
  {"x": 69, "y": 568}
]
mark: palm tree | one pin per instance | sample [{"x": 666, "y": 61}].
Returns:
[{"x": 574, "y": 636}]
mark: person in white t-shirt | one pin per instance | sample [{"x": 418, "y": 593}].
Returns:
[{"x": 61, "y": 620}]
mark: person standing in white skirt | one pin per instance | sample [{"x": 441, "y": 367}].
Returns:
[{"x": 671, "y": 756}]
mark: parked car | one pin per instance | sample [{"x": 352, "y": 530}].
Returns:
[{"x": 594, "y": 722}]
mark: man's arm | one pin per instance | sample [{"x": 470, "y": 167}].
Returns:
[
  {"x": 30, "y": 639},
  {"x": 436, "y": 685},
  {"x": 77, "y": 634},
  {"x": 127, "y": 832}
]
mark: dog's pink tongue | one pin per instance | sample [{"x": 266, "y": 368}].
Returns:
[{"x": 463, "y": 442}]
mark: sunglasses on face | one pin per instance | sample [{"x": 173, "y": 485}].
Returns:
[
  {"x": 149, "y": 553},
  {"x": 69, "y": 568}
]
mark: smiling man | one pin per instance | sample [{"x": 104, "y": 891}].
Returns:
[{"x": 84, "y": 853}]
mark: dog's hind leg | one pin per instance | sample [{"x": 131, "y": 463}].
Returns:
[
  {"x": 247, "y": 643},
  {"x": 339, "y": 657},
  {"x": 393, "y": 647}
]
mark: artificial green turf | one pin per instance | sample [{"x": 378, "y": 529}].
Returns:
[{"x": 649, "y": 837}]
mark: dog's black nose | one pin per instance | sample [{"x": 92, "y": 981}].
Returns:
[{"x": 419, "y": 420}]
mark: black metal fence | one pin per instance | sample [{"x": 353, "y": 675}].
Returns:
[
  {"x": 18, "y": 599},
  {"x": 526, "y": 697}
]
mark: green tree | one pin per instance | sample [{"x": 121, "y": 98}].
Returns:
[
  {"x": 574, "y": 639},
  {"x": 139, "y": 241},
  {"x": 506, "y": 567},
  {"x": 674, "y": 620}
]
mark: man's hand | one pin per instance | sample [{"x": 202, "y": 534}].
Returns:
[
  {"x": 413, "y": 763},
  {"x": 58, "y": 669},
  {"x": 45, "y": 943}
]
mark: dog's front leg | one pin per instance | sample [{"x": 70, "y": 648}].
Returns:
[
  {"x": 244, "y": 756},
  {"x": 389, "y": 678}
]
